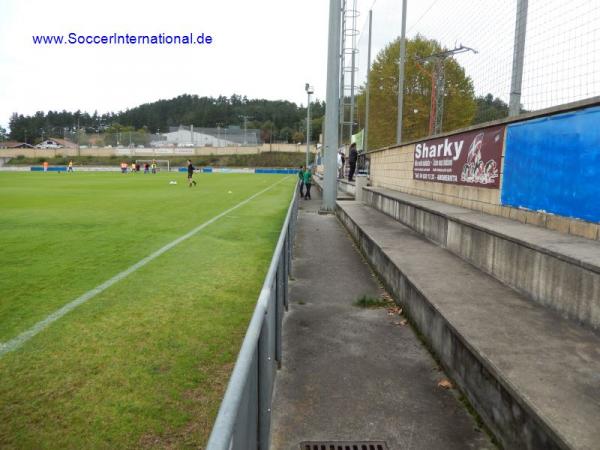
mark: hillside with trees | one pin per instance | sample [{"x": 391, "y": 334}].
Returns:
[{"x": 278, "y": 120}]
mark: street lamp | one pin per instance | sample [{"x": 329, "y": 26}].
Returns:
[{"x": 309, "y": 90}]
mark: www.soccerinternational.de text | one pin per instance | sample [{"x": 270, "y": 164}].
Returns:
[{"x": 123, "y": 39}]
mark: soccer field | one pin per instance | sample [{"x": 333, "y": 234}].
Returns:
[{"x": 144, "y": 362}]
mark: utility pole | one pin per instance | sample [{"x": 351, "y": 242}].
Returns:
[
  {"x": 332, "y": 108},
  {"x": 218, "y": 135},
  {"x": 514, "y": 107},
  {"x": 78, "y": 138},
  {"x": 309, "y": 90},
  {"x": 436, "y": 113},
  {"x": 400, "y": 72},
  {"x": 245, "y": 128}
]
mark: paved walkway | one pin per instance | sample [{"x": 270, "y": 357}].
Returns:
[{"x": 351, "y": 373}]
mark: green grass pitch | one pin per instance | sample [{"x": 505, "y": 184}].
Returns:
[{"x": 143, "y": 364}]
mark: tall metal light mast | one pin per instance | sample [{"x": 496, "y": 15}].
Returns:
[{"x": 348, "y": 54}]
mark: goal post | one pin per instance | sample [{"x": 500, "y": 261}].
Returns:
[{"x": 162, "y": 165}]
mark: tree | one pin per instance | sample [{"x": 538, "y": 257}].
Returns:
[
  {"x": 459, "y": 97},
  {"x": 3, "y": 134},
  {"x": 490, "y": 108},
  {"x": 285, "y": 134},
  {"x": 266, "y": 131},
  {"x": 182, "y": 110},
  {"x": 297, "y": 137}
]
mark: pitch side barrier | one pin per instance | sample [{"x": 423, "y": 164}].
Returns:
[
  {"x": 50, "y": 169},
  {"x": 285, "y": 171},
  {"x": 244, "y": 418},
  {"x": 278, "y": 171}
]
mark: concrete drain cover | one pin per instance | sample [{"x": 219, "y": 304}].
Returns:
[{"x": 344, "y": 445}]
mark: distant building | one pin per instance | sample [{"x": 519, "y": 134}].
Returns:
[
  {"x": 207, "y": 137},
  {"x": 14, "y": 144},
  {"x": 49, "y": 143},
  {"x": 65, "y": 143}
]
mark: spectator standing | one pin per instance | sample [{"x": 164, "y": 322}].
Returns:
[
  {"x": 352, "y": 160},
  {"x": 301, "y": 177},
  {"x": 307, "y": 183}
]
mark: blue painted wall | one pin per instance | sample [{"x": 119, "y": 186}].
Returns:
[{"x": 552, "y": 164}]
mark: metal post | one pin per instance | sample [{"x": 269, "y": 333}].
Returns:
[
  {"x": 518, "y": 56},
  {"x": 352, "y": 92},
  {"x": 366, "y": 135},
  {"x": 342, "y": 58},
  {"x": 439, "y": 95},
  {"x": 307, "y": 126},
  {"x": 401, "y": 74},
  {"x": 332, "y": 107}
]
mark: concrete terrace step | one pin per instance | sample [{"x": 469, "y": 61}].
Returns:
[
  {"x": 533, "y": 376},
  {"x": 345, "y": 189},
  {"x": 554, "y": 269}
]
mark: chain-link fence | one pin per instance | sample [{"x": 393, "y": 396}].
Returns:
[
  {"x": 458, "y": 65},
  {"x": 182, "y": 136}
]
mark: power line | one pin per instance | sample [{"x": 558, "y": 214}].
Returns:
[{"x": 422, "y": 15}]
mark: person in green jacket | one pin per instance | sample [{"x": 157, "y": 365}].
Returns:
[
  {"x": 307, "y": 183},
  {"x": 301, "y": 177}
]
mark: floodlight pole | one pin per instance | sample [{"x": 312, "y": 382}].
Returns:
[
  {"x": 309, "y": 91},
  {"x": 514, "y": 107},
  {"x": 332, "y": 107},
  {"x": 401, "y": 75}
]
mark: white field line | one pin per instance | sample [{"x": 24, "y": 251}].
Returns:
[{"x": 18, "y": 341}]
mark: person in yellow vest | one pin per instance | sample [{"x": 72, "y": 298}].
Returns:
[
  {"x": 70, "y": 169},
  {"x": 132, "y": 167},
  {"x": 153, "y": 166}
]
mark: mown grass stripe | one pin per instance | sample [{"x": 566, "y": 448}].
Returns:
[{"x": 22, "y": 338}]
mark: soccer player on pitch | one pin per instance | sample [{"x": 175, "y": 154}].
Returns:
[{"x": 190, "y": 171}]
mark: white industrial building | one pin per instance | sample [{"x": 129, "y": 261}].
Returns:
[{"x": 207, "y": 137}]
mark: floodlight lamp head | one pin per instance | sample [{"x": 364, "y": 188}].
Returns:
[{"x": 308, "y": 88}]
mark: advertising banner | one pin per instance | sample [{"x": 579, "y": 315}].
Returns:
[{"x": 469, "y": 159}]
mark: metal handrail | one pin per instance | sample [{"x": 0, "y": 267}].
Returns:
[{"x": 244, "y": 417}]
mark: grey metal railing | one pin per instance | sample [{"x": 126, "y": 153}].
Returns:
[{"x": 244, "y": 419}]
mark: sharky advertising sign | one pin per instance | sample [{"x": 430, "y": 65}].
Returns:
[{"x": 471, "y": 159}]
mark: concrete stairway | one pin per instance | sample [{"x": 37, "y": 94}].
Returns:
[
  {"x": 556, "y": 270},
  {"x": 510, "y": 310}
]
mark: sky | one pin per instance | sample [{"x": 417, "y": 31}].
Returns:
[
  {"x": 261, "y": 49},
  {"x": 271, "y": 48}
]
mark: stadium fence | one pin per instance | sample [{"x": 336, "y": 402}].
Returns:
[{"x": 244, "y": 417}]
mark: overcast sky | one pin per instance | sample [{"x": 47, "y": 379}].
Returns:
[
  {"x": 270, "y": 48},
  {"x": 262, "y": 49}
]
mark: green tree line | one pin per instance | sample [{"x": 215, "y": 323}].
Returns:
[
  {"x": 278, "y": 120},
  {"x": 282, "y": 120}
]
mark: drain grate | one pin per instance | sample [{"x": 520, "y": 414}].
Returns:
[{"x": 344, "y": 445}]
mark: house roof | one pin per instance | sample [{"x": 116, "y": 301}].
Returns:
[{"x": 64, "y": 142}]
